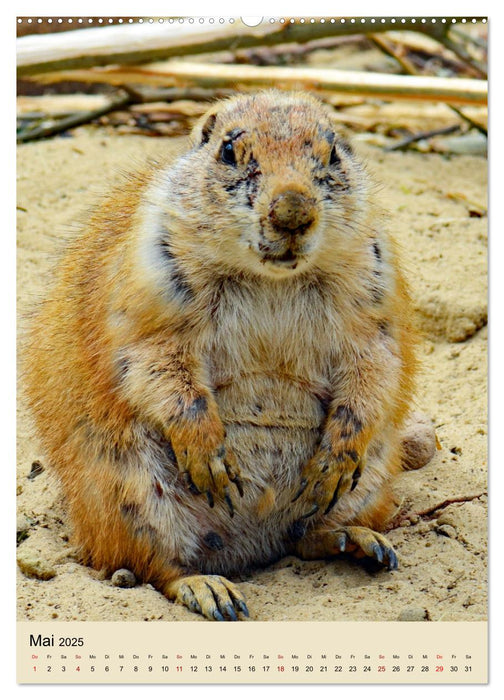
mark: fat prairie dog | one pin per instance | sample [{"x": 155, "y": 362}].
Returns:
[{"x": 222, "y": 369}]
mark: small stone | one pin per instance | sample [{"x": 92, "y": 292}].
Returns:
[
  {"x": 32, "y": 564},
  {"x": 418, "y": 443},
  {"x": 123, "y": 578},
  {"x": 413, "y": 615}
]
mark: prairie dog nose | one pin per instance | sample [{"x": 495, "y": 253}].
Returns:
[{"x": 293, "y": 211}]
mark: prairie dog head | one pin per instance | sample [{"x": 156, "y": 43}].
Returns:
[{"x": 268, "y": 187}]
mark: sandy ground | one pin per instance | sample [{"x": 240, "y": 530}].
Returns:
[{"x": 435, "y": 206}]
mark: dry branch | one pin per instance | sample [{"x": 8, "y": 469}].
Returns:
[
  {"x": 57, "y": 127},
  {"x": 414, "y": 52},
  {"x": 385, "y": 86},
  {"x": 398, "y": 53},
  {"x": 145, "y": 43},
  {"x": 421, "y": 135},
  {"x": 460, "y": 51},
  {"x": 404, "y": 518}
]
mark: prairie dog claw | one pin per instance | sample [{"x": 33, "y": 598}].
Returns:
[{"x": 212, "y": 596}]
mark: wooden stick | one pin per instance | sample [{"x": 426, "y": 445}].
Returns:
[
  {"x": 460, "y": 51},
  {"x": 421, "y": 135},
  {"x": 386, "y": 47},
  {"x": 479, "y": 127},
  {"x": 429, "y": 513},
  {"x": 383, "y": 44},
  {"x": 121, "y": 44},
  {"x": 56, "y": 127},
  {"x": 142, "y": 43},
  {"x": 385, "y": 86}
]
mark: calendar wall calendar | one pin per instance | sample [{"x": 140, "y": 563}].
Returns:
[{"x": 252, "y": 344}]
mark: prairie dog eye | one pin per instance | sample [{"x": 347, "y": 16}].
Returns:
[
  {"x": 227, "y": 153},
  {"x": 334, "y": 158}
]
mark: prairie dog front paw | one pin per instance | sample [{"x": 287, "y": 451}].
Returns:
[{"x": 207, "y": 465}]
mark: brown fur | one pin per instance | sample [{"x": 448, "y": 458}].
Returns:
[{"x": 233, "y": 323}]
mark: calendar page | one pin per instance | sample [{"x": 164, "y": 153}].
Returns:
[{"x": 252, "y": 341}]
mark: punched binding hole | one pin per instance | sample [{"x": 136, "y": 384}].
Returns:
[{"x": 251, "y": 21}]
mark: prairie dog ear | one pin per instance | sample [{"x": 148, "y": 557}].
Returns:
[{"x": 204, "y": 127}]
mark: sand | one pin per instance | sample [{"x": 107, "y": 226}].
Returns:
[{"x": 437, "y": 206}]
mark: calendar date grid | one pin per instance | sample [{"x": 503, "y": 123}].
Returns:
[
  {"x": 248, "y": 653},
  {"x": 253, "y": 663}
]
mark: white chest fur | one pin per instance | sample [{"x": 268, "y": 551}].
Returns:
[{"x": 286, "y": 330}]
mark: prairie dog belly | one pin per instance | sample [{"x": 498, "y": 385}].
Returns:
[
  {"x": 273, "y": 427},
  {"x": 259, "y": 399}
]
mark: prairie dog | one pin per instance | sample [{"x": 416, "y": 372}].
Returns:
[{"x": 221, "y": 372}]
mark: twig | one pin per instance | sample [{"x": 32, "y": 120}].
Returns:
[
  {"x": 406, "y": 49},
  {"x": 404, "y": 143},
  {"x": 385, "y": 46},
  {"x": 461, "y": 52},
  {"x": 286, "y": 53},
  {"x": 471, "y": 122},
  {"x": 440, "y": 32},
  {"x": 32, "y": 134},
  {"x": 429, "y": 513}
]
